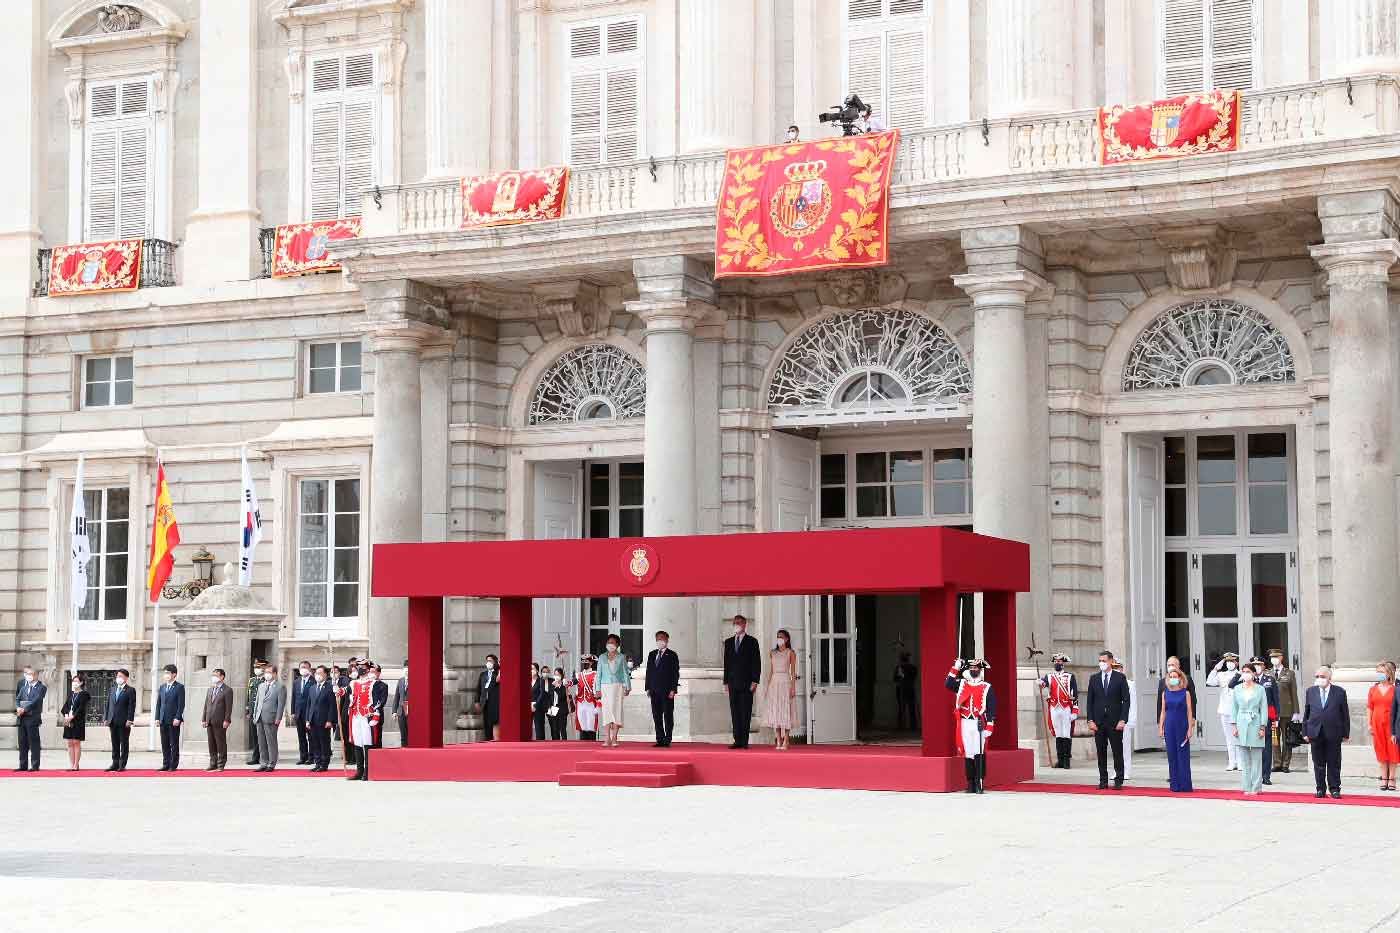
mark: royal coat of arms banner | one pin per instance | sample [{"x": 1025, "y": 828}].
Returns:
[
  {"x": 302, "y": 248},
  {"x": 113, "y": 266},
  {"x": 1192, "y": 124},
  {"x": 803, "y": 206},
  {"x": 516, "y": 197}
]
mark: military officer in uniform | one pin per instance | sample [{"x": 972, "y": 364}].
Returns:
[
  {"x": 1289, "y": 710},
  {"x": 254, "y": 682},
  {"x": 1064, "y": 707},
  {"x": 975, "y": 708}
]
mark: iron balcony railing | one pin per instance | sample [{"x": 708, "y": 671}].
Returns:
[{"x": 157, "y": 265}]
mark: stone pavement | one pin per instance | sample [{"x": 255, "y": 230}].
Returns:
[{"x": 183, "y": 853}]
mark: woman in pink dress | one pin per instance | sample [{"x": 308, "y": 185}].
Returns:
[
  {"x": 780, "y": 690},
  {"x": 1378, "y": 714}
]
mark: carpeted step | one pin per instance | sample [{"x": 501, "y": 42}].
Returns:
[
  {"x": 583, "y": 778},
  {"x": 678, "y": 769}
]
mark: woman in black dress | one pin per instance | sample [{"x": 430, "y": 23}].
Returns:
[{"x": 75, "y": 721}]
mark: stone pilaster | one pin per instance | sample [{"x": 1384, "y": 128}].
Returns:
[
  {"x": 223, "y": 230},
  {"x": 461, "y": 109},
  {"x": 1030, "y": 57},
  {"x": 716, "y": 73},
  {"x": 1365, "y": 36},
  {"x": 22, "y": 59}
]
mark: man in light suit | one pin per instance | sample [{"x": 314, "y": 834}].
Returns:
[
  {"x": 29, "y": 713},
  {"x": 743, "y": 668},
  {"x": 1326, "y": 725},
  {"x": 401, "y": 705},
  {"x": 170, "y": 714},
  {"x": 121, "y": 713},
  {"x": 268, "y": 709},
  {"x": 1109, "y": 701},
  {"x": 663, "y": 680},
  {"x": 218, "y": 713}
]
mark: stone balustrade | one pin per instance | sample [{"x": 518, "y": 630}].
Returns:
[{"x": 1272, "y": 117}]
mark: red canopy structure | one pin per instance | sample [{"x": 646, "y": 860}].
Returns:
[{"x": 935, "y": 563}]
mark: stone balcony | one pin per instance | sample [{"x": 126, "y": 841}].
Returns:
[{"x": 1041, "y": 170}]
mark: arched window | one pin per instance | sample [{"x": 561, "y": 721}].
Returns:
[
  {"x": 871, "y": 358},
  {"x": 595, "y": 382},
  {"x": 1208, "y": 342}
]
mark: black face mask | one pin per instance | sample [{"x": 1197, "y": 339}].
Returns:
[{"x": 1059, "y": 667}]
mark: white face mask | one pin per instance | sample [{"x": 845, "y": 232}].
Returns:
[
  {"x": 320, "y": 678},
  {"x": 268, "y": 676},
  {"x": 1248, "y": 677},
  {"x": 1320, "y": 681},
  {"x": 1230, "y": 665},
  {"x": 306, "y": 672},
  {"x": 738, "y": 630},
  {"x": 612, "y": 649},
  {"x": 121, "y": 681},
  {"x": 661, "y": 646},
  {"x": 77, "y": 686},
  {"x": 29, "y": 678},
  {"x": 373, "y": 675},
  {"x": 490, "y": 665},
  {"x": 782, "y": 642},
  {"x": 1278, "y": 662},
  {"x": 216, "y": 680},
  {"x": 1103, "y": 665}
]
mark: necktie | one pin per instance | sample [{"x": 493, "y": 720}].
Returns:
[{"x": 1105, "y": 682}]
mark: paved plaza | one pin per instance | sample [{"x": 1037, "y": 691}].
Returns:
[{"x": 228, "y": 853}]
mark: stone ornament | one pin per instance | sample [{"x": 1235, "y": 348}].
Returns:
[
  {"x": 1211, "y": 341},
  {"x": 118, "y": 17}
]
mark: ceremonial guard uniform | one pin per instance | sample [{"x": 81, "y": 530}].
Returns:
[
  {"x": 255, "y": 680},
  {"x": 1064, "y": 707},
  {"x": 1289, "y": 709},
  {"x": 365, "y": 724},
  {"x": 975, "y": 709},
  {"x": 586, "y": 701}
]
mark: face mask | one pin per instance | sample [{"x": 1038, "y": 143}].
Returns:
[
  {"x": 121, "y": 681},
  {"x": 661, "y": 646},
  {"x": 791, "y": 136},
  {"x": 1230, "y": 665},
  {"x": 1248, "y": 677},
  {"x": 1381, "y": 677},
  {"x": 1103, "y": 665},
  {"x": 1278, "y": 662},
  {"x": 1059, "y": 667},
  {"x": 320, "y": 678},
  {"x": 77, "y": 686},
  {"x": 29, "y": 678},
  {"x": 557, "y": 678},
  {"x": 612, "y": 649},
  {"x": 1320, "y": 681},
  {"x": 1173, "y": 681},
  {"x": 169, "y": 678},
  {"x": 782, "y": 642},
  {"x": 268, "y": 676},
  {"x": 373, "y": 675},
  {"x": 306, "y": 672},
  {"x": 490, "y": 665},
  {"x": 974, "y": 675},
  {"x": 216, "y": 680}
]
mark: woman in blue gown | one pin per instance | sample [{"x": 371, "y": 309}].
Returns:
[{"x": 1176, "y": 720}]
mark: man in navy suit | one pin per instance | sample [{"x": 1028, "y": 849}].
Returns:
[
  {"x": 29, "y": 713},
  {"x": 301, "y": 686},
  {"x": 743, "y": 667},
  {"x": 318, "y": 714},
  {"x": 170, "y": 714},
  {"x": 1109, "y": 701},
  {"x": 663, "y": 680},
  {"x": 1326, "y": 725},
  {"x": 121, "y": 712}
]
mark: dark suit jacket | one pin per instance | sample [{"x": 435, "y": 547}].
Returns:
[
  {"x": 490, "y": 699},
  {"x": 557, "y": 696},
  {"x": 539, "y": 693},
  {"x": 121, "y": 706},
  {"x": 1395, "y": 713},
  {"x": 744, "y": 666},
  {"x": 218, "y": 708},
  {"x": 76, "y": 704},
  {"x": 1332, "y": 722},
  {"x": 1108, "y": 707},
  {"x": 378, "y": 699},
  {"x": 170, "y": 703},
  {"x": 401, "y": 697},
  {"x": 319, "y": 708},
  {"x": 33, "y": 700},
  {"x": 665, "y": 677},
  {"x": 301, "y": 686}
]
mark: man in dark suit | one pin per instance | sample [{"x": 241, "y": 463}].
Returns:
[
  {"x": 319, "y": 714},
  {"x": 663, "y": 680},
  {"x": 743, "y": 667},
  {"x": 1109, "y": 700},
  {"x": 29, "y": 714},
  {"x": 218, "y": 713},
  {"x": 401, "y": 705},
  {"x": 488, "y": 698},
  {"x": 170, "y": 714},
  {"x": 1326, "y": 725},
  {"x": 121, "y": 713},
  {"x": 301, "y": 686}
]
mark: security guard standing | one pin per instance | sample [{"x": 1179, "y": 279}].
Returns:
[{"x": 254, "y": 681}]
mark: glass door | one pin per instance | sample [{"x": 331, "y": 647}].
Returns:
[
  {"x": 1218, "y": 629},
  {"x": 614, "y": 510},
  {"x": 831, "y": 710}
]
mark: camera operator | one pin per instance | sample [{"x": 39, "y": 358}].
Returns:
[{"x": 870, "y": 123}]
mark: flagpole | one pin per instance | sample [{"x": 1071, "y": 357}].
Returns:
[
  {"x": 75, "y": 607},
  {"x": 155, "y": 631}
]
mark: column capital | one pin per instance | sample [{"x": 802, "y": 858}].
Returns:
[
  {"x": 672, "y": 314},
  {"x": 403, "y": 335},
  {"x": 576, "y": 307},
  {"x": 1357, "y": 263},
  {"x": 673, "y": 277},
  {"x": 1002, "y": 288},
  {"x": 1006, "y": 248}
]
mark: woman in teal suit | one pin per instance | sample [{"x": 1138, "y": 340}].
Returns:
[{"x": 1251, "y": 711}]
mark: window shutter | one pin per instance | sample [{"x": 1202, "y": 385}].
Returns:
[
  {"x": 585, "y": 119},
  {"x": 357, "y": 165},
  {"x": 325, "y": 161},
  {"x": 1232, "y": 44},
  {"x": 586, "y": 41},
  {"x": 325, "y": 76},
  {"x": 1183, "y": 46},
  {"x": 901, "y": 7},
  {"x": 102, "y": 161},
  {"x": 102, "y": 101},
  {"x": 135, "y": 98},
  {"x": 623, "y": 37},
  {"x": 865, "y": 69},
  {"x": 134, "y": 182},
  {"x": 359, "y": 71},
  {"x": 620, "y": 144},
  {"x": 906, "y": 54},
  {"x": 863, "y": 9}
]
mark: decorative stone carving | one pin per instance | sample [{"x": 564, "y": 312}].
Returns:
[
  {"x": 575, "y": 306},
  {"x": 901, "y": 357},
  {"x": 118, "y": 17},
  {"x": 1198, "y": 257},
  {"x": 596, "y": 381},
  {"x": 1212, "y": 341}
]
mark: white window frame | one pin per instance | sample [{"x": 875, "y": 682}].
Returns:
[
  {"x": 349, "y": 201},
  {"x": 927, "y": 445},
  {"x": 102, "y": 628},
  {"x": 330, "y": 624},
  {"x": 111, "y": 382},
  {"x": 1207, "y": 47},
  {"x": 119, "y": 124},
  {"x": 338, "y": 369},
  {"x": 882, "y": 27},
  {"x": 602, "y": 65}
]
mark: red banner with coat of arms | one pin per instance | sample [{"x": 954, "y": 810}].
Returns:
[
  {"x": 1192, "y": 124},
  {"x": 111, "y": 266},
  {"x": 804, "y": 206},
  {"x": 514, "y": 197},
  {"x": 302, "y": 248}
]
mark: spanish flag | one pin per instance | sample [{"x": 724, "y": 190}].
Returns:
[{"x": 165, "y": 534}]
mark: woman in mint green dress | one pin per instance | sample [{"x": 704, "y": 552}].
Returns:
[{"x": 1251, "y": 710}]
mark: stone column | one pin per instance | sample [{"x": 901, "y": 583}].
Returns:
[
  {"x": 436, "y": 379},
  {"x": 404, "y": 317},
  {"x": 221, "y": 237},
  {"x": 1030, "y": 57},
  {"x": 716, "y": 74},
  {"x": 23, "y": 55},
  {"x": 1365, "y": 586},
  {"x": 1365, "y": 36},
  {"x": 458, "y": 36}
]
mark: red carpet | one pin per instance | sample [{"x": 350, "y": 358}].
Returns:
[
  {"x": 1352, "y": 800},
  {"x": 182, "y": 773},
  {"x": 854, "y": 767}
]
